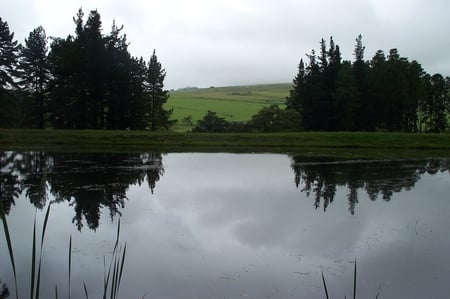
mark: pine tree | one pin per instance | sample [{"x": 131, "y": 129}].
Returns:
[
  {"x": 117, "y": 79},
  {"x": 345, "y": 98},
  {"x": 297, "y": 93},
  {"x": 8, "y": 57},
  {"x": 158, "y": 117},
  {"x": 95, "y": 69},
  {"x": 34, "y": 69},
  {"x": 365, "y": 117},
  {"x": 377, "y": 90}
]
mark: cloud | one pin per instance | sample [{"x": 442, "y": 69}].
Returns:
[{"x": 228, "y": 42}]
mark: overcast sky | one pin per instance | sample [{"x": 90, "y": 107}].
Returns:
[{"x": 238, "y": 42}]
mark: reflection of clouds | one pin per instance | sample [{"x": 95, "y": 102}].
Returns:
[
  {"x": 253, "y": 213},
  {"x": 257, "y": 206},
  {"x": 222, "y": 225}
]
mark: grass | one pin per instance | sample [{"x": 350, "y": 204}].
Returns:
[
  {"x": 111, "y": 280},
  {"x": 335, "y": 144},
  {"x": 234, "y": 103}
]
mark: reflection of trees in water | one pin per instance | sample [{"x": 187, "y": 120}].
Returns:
[
  {"x": 89, "y": 182},
  {"x": 376, "y": 178},
  {"x": 10, "y": 187},
  {"x": 4, "y": 291}
]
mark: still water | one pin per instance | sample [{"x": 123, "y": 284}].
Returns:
[{"x": 229, "y": 225}]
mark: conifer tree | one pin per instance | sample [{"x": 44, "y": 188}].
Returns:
[
  {"x": 364, "y": 121},
  {"x": 8, "y": 58},
  {"x": 8, "y": 55},
  {"x": 297, "y": 93},
  {"x": 34, "y": 70},
  {"x": 158, "y": 117}
]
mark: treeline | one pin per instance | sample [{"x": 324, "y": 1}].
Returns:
[
  {"x": 89, "y": 80},
  {"x": 386, "y": 93},
  {"x": 84, "y": 81}
]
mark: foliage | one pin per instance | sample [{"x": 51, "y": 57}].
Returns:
[
  {"x": 212, "y": 123},
  {"x": 158, "y": 117},
  {"x": 85, "y": 81},
  {"x": 33, "y": 70},
  {"x": 268, "y": 119},
  {"x": 8, "y": 58},
  {"x": 434, "y": 106},
  {"x": 275, "y": 119},
  {"x": 387, "y": 93},
  {"x": 89, "y": 80}
]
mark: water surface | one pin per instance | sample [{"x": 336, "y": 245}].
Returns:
[{"x": 231, "y": 225}]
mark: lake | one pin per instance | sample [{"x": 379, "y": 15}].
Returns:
[{"x": 221, "y": 225}]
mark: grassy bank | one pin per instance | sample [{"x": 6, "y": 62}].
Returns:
[{"x": 354, "y": 143}]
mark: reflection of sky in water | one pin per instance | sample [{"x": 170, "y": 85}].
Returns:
[{"x": 225, "y": 225}]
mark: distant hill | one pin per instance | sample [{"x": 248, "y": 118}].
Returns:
[{"x": 235, "y": 103}]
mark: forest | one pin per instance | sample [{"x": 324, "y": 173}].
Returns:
[
  {"x": 387, "y": 93},
  {"x": 84, "y": 81},
  {"x": 89, "y": 80}
]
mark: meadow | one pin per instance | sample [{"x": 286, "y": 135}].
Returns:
[{"x": 234, "y": 103}]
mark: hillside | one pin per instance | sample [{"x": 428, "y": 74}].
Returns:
[{"x": 235, "y": 103}]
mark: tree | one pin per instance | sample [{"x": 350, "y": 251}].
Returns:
[
  {"x": 434, "y": 104},
  {"x": 138, "y": 73},
  {"x": 211, "y": 122},
  {"x": 158, "y": 117},
  {"x": 118, "y": 80},
  {"x": 65, "y": 93},
  {"x": 274, "y": 119},
  {"x": 365, "y": 113},
  {"x": 297, "y": 93},
  {"x": 345, "y": 99},
  {"x": 34, "y": 69},
  {"x": 313, "y": 88},
  {"x": 8, "y": 57},
  {"x": 377, "y": 89},
  {"x": 93, "y": 44}
]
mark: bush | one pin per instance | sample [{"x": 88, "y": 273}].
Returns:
[
  {"x": 274, "y": 119},
  {"x": 268, "y": 119},
  {"x": 211, "y": 122}
]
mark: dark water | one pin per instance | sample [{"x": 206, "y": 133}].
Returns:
[{"x": 230, "y": 225}]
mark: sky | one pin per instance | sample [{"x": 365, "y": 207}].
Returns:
[{"x": 242, "y": 42}]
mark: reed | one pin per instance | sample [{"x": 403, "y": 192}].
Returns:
[
  {"x": 112, "y": 278},
  {"x": 8, "y": 242},
  {"x": 70, "y": 262},
  {"x": 38, "y": 282},
  {"x": 354, "y": 285},
  {"x": 325, "y": 287},
  {"x": 115, "y": 269}
]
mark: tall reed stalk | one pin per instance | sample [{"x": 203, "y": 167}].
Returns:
[
  {"x": 111, "y": 279},
  {"x": 115, "y": 269},
  {"x": 354, "y": 285},
  {"x": 8, "y": 242}
]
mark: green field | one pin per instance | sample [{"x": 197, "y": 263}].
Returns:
[{"x": 235, "y": 103}]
